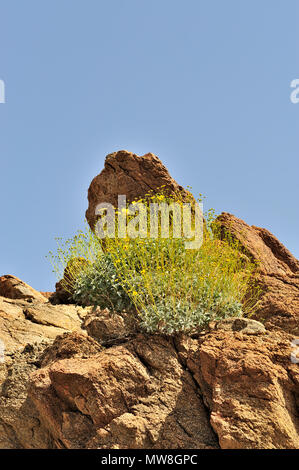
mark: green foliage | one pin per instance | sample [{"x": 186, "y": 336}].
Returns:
[
  {"x": 170, "y": 318},
  {"x": 99, "y": 286},
  {"x": 171, "y": 288},
  {"x": 178, "y": 289},
  {"x": 75, "y": 256}
]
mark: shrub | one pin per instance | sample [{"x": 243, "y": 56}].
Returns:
[
  {"x": 182, "y": 289},
  {"x": 171, "y": 288},
  {"x": 100, "y": 287},
  {"x": 87, "y": 273},
  {"x": 169, "y": 318},
  {"x": 71, "y": 254}
]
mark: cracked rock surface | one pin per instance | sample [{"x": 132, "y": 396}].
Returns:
[
  {"x": 23, "y": 322},
  {"x": 27, "y": 327},
  {"x": 278, "y": 274},
  {"x": 86, "y": 378},
  {"x": 251, "y": 388},
  {"x": 232, "y": 387},
  {"x": 134, "y": 395},
  {"x": 126, "y": 173}
]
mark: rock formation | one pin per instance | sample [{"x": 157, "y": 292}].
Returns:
[
  {"x": 87, "y": 378},
  {"x": 77, "y": 378},
  {"x": 133, "y": 395},
  {"x": 128, "y": 174},
  {"x": 232, "y": 387},
  {"x": 13, "y": 288},
  {"x": 279, "y": 274},
  {"x": 251, "y": 388},
  {"x": 27, "y": 327},
  {"x": 23, "y": 323}
]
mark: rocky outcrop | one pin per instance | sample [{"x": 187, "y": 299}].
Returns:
[
  {"x": 13, "y": 288},
  {"x": 23, "y": 323},
  {"x": 109, "y": 327},
  {"x": 233, "y": 386},
  {"x": 278, "y": 274},
  {"x": 87, "y": 378},
  {"x": 26, "y": 329},
  {"x": 130, "y": 396},
  {"x": 128, "y": 174},
  {"x": 251, "y": 388}
]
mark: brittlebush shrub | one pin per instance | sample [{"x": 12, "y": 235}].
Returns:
[
  {"x": 99, "y": 286},
  {"x": 170, "y": 288},
  {"x": 87, "y": 273}
]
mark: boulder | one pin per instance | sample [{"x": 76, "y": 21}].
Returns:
[
  {"x": 130, "y": 396},
  {"x": 109, "y": 327},
  {"x": 23, "y": 323},
  {"x": 27, "y": 328},
  {"x": 278, "y": 273},
  {"x": 128, "y": 174},
  {"x": 12, "y": 287},
  {"x": 251, "y": 388}
]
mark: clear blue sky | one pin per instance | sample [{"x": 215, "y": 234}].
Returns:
[{"x": 204, "y": 84}]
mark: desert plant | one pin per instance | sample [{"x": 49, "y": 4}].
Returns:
[
  {"x": 75, "y": 256},
  {"x": 87, "y": 272},
  {"x": 99, "y": 286},
  {"x": 183, "y": 289},
  {"x": 171, "y": 289}
]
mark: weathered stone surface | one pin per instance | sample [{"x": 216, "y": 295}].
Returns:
[
  {"x": 128, "y": 174},
  {"x": 279, "y": 274},
  {"x": 235, "y": 383},
  {"x": 47, "y": 294},
  {"x": 13, "y": 288},
  {"x": 70, "y": 345},
  {"x": 251, "y": 388},
  {"x": 108, "y": 327},
  {"x": 20, "y": 425},
  {"x": 246, "y": 326},
  {"x": 135, "y": 395},
  {"x": 26, "y": 329},
  {"x": 23, "y": 323}
]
